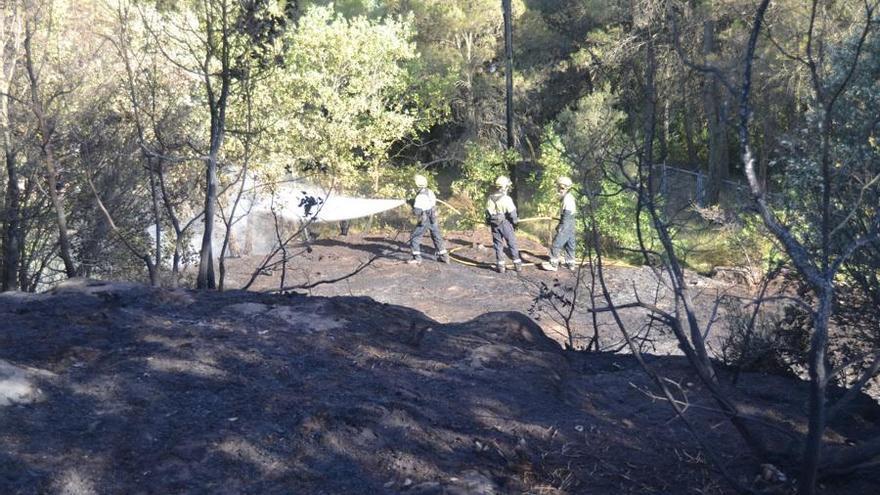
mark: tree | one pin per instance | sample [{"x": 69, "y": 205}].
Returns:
[
  {"x": 204, "y": 40},
  {"x": 716, "y": 116},
  {"x": 818, "y": 255},
  {"x": 349, "y": 89},
  {"x": 11, "y": 37},
  {"x": 460, "y": 41},
  {"x": 40, "y": 32}
]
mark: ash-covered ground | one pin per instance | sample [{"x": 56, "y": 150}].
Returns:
[
  {"x": 120, "y": 388},
  {"x": 469, "y": 286}
]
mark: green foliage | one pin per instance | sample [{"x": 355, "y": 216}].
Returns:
[
  {"x": 592, "y": 129},
  {"x": 616, "y": 219},
  {"x": 349, "y": 89},
  {"x": 589, "y": 136},
  {"x": 478, "y": 173},
  {"x": 554, "y": 163},
  {"x": 704, "y": 244},
  {"x": 341, "y": 90},
  {"x": 848, "y": 138},
  {"x": 854, "y": 155}
]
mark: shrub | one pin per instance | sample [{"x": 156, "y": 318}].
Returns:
[{"x": 482, "y": 165}]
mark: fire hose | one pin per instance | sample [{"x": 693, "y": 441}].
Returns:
[{"x": 480, "y": 264}]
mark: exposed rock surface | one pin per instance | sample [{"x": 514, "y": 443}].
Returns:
[{"x": 18, "y": 385}]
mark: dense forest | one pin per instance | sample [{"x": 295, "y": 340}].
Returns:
[{"x": 699, "y": 133}]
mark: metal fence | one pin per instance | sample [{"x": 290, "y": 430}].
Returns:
[{"x": 682, "y": 187}]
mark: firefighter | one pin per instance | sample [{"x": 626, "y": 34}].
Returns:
[
  {"x": 564, "y": 240},
  {"x": 424, "y": 208},
  {"x": 501, "y": 218}
]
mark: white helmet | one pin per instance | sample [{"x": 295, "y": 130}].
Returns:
[
  {"x": 420, "y": 180},
  {"x": 502, "y": 182},
  {"x": 564, "y": 182}
]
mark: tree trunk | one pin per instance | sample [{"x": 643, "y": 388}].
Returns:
[
  {"x": 12, "y": 235},
  {"x": 12, "y": 244},
  {"x": 28, "y": 255},
  {"x": 688, "y": 125},
  {"x": 508, "y": 55},
  {"x": 47, "y": 155},
  {"x": 157, "y": 217},
  {"x": 206, "y": 278},
  {"x": 217, "y": 103},
  {"x": 818, "y": 372},
  {"x": 663, "y": 141},
  {"x": 175, "y": 223},
  {"x": 715, "y": 114},
  {"x": 60, "y": 214}
]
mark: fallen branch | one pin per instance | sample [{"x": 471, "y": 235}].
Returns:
[{"x": 326, "y": 281}]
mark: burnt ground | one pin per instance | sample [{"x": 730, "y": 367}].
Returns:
[
  {"x": 119, "y": 388},
  {"x": 461, "y": 291}
]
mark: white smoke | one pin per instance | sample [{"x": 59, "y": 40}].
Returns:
[{"x": 289, "y": 206}]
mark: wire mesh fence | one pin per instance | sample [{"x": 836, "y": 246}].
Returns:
[{"x": 682, "y": 187}]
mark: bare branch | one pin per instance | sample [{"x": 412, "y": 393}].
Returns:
[{"x": 312, "y": 285}]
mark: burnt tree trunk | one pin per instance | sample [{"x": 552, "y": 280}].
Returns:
[
  {"x": 508, "y": 55},
  {"x": 12, "y": 234}
]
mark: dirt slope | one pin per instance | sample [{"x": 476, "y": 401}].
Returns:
[{"x": 125, "y": 389}]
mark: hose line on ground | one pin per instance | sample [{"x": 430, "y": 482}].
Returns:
[{"x": 482, "y": 264}]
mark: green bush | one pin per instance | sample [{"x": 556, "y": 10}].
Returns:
[
  {"x": 614, "y": 208},
  {"x": 742, "y": 241},
  {"x": 482, "y": 165},
  {"x": 552, "y": 164},
  {"x": 615, "y": 212}
]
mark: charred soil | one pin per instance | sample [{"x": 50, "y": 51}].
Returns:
[{"x": 119, "y": 388}]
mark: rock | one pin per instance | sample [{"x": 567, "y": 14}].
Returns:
[
  {"x": 248, "y": 308},
  {"x": 95, "y": 287},
  {"x": 311, "y": 321},
  {"x": 733, "y": 275},
  {"x": 17, "y": 385},
  {"x": 472, "y": 483},
  {"x": 511, "y": 328},
  {"x": 173, "y": 297}
]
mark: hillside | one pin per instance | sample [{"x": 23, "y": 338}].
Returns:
[{"x": 119, "y": 388}]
